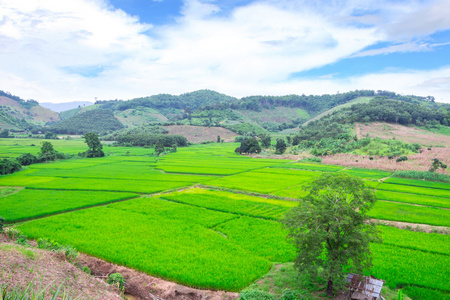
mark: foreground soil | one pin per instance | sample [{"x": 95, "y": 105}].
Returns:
[{"x": 23, "y": 266}]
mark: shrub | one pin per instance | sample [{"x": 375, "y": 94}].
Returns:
[
  {"x": 117, "y": 279},
  {"x": 13, "y": 233},
  {"x": 401, "y": 158},
  {"x": 8, "y": 166},
  {"x": 27, "y": 159},
  {"x": 87, "y": 270},
  {"x": 290, "y": 295},
  {"x": 2, "y": 223},
  {"x": 256, "y": 295}
]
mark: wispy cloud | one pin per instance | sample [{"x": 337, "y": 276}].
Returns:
[{"x": 80, "y": 49}]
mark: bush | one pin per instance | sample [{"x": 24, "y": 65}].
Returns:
[
  {"x": 117, "y": 279},
  {"x": 87, "y": 270},
  {"x": 256, "y": 295},
  {"x": 27, "y": 159},
  {"x": 9, "y": 166},
  {"x": 69, "y": 251},
  {"x": 12, "y": 233},
  {"x": 290, "y": 295},
  {"x": 2, "y": 223},
  {"x": 401, "y": 158}
]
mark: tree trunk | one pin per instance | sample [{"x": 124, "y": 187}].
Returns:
[{"x": 330, "y": 288}]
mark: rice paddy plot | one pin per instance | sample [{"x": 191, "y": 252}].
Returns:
[
  {"x": 413, "y": 198},
  {"x": 122, "y": 170},
  {"x": 263, "y": 237},
  {"x": 173, "y": 249},
  {"x": 421, "y": 183},
  {"x": 23, "y": 178},
  {"x": 296, "y": 192},
  {"x": 414, "y": 190},
  {"x": 113, "y": 185},
  {"x": 401, "y": 266},
  {"x": 403, "y": 212},
  {"x": 233, "y": 203},
  {"x": 428, "y": 242},
  {"x": 27, "y": 204},
  {"x": 311, "y": 167},
  {"x": 367, "y": 173},
  {"x": 265, "y": 181}
]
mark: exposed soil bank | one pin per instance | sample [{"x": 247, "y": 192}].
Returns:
[{"x": 146, "y": 287}]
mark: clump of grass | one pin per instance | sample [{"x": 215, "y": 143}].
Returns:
[
  {"x": 30, "y": 294},
  {"x": 430, "y": 176},
  {"x": 69, "y": 251}
]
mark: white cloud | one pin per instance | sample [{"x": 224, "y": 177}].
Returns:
[{"x": 252, "y": 50}]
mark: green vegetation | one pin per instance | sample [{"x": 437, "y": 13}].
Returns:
[
  {"x": 181, "y": 250},
  {"x": 403, "y": 212},
  {"x": 16, "y": 207},
  {"x": 430, "y": 191},
  {"x": 329, "y": 229},
  {"x": 413, "y": 198},
  {"x": 430, "y": 176},
  {"x": 228, "y": 233},
  {"x": 232, "y": 203},
  {"x": 421, "y": 183},
  {"x": 100, "y": 121}
]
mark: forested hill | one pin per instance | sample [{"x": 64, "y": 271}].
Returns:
[
  {"x": 17, "y": 114},
  {"x": 251, "y": 115}
]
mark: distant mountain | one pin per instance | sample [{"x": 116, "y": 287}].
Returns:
[{"x": 59, "y": 107}]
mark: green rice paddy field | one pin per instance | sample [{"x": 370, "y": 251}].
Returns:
[{"x": 207, "y": 217}]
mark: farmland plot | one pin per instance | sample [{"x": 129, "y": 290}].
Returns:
[
  {"x": 413, "y": 198},
  {"x": 27, "y": 204},
  {"x": 182, "y": 247},
  {"x": 414, "y": 190}
]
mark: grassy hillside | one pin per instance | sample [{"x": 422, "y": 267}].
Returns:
[{"x": 20, "y": 114}]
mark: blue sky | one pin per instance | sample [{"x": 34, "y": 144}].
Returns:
[{"x": 59, "y": 51}]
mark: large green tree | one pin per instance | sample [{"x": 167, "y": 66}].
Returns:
[
  {"x": 95, "y": 147},
  {"x": 330, "y": 228}
]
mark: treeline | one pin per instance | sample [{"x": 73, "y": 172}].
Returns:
[
  {"x": 379, "y": 109},
  {"x": 144, "y": 139},
  {"x": 191, "y": 101},
  {"x": 25, "y": 103},
  {"x": 312, "y": 104},
  {"x": 100, "y": 121}
]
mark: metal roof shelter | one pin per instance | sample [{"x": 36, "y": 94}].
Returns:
[{"x": 363, "y": 287}]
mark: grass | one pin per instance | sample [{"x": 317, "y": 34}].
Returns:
[
  {"x": 403, "y": 212},
  {"x": 262, "y": 237},
  {"x": 402, "y": 266},
  {"x": 312, "y": 167},
  {"x": 430, "y": 176},
  {"x": 367, "y": 173},
  {"x": 16, "y": 207},
  {"x": 420, "y": 183},
  {"x": 413, "y": 199},
  {"x": 414, "y": 189},
  {"x": 229, "y": 202},
  {"x": 179, "y": 249},
  {"x": 428, "y": 242}
]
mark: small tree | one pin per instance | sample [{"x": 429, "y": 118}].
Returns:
[
  {"x": 265, "y": 141},
  {"x": 249, "y": 145},
  {"x": 95, "y": 147},
  {"x": 280, "y": 147},
  {"x": 47, "y": 152},
  {"x": 159, "y": 148},
  {"x": 329, "y": 228},
  {"x": 218, "y": 138},
  {"x": 4, "y": 133},
  {"x": 436, "y": 164}
]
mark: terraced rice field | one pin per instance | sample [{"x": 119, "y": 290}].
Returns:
[{"x": 224, "y": 235}]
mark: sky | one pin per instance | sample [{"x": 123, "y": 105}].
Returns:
[{"x": 83, "y": 50}]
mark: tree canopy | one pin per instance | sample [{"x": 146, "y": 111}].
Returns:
[
  {"x": 95, "y": 147},
  {"x": 329, "y": 228}
]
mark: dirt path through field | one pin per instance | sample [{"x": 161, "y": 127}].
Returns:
[{"x": 414, "y": 226}]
